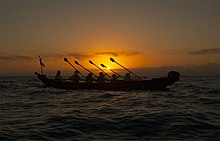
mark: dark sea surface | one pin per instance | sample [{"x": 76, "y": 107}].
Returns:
[{"x": 190, "y": 110}]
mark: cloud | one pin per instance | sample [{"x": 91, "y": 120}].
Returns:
[
  {"x": 88, "y": 56},
  {"x": 16, "y": 58},
  {"x": 53, "y": 56},
  {"x": 74, "y": 55},
  {"x": 206, "y": 51},
  {"x": 62, "y": 55},
  {"x": 80, "y": 56},
  {"x": 118, "y": 53},
  {"x": 130, "y": 53},
  {"x": 107, "y": 53}
]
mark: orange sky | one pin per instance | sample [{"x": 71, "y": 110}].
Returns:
[{"x": 137, "y": 33}]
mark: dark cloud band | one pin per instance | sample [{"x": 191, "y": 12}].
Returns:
[
  {"x": 119, "y": 53},
  {"x": 206, "y": 51},
  {"x": 16, "y": 57},
  {"x": 80, "y": 56},
  {"x": 74, "y": 55}
]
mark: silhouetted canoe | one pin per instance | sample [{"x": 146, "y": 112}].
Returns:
[{"x": 152, "y": 84}]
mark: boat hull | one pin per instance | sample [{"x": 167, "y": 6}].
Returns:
[{"x": 153, "y": 84}]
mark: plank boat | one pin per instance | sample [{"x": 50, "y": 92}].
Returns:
[{"x": 152, "y": 84}]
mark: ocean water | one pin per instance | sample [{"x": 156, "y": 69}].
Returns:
[{"x": 189, "y": 110}]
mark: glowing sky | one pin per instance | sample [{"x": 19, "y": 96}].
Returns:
[{"x": 137, "y": 33}]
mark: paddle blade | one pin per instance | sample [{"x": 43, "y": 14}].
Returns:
[
  {"x": 91, "y": 62},
  {"x": 103, "y": 66},
  {"x": 112, "y": 59},
  {"x": 76, "y": 62},
  {"x": 65, "y": 59}
]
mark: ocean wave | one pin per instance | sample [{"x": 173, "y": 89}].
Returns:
[{"x": 188, "y": 111}]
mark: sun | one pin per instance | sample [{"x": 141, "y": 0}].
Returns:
[{"x": 108, "y": 68}]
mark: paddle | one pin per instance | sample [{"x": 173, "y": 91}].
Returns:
[
  {"x": 66, "y": 60},
  {"x": 84, "y": 68},
  {"x": 98, "y": 68},
  {"x": 125, "y": 68},
  {"x": 112, "y": 70}
]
